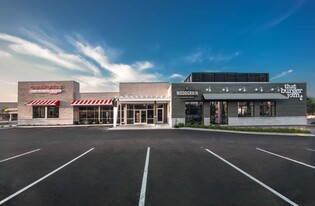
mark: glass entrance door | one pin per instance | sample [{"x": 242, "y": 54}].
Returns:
[
  {"x": 160, "y": 115},
  {"x": 140, "y": 116}
]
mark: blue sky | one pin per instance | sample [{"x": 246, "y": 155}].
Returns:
[{"x": 101, "y": 43}]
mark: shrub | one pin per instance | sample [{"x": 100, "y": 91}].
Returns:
[
  {"x": 312, "y": 122},
  {"x": 180, "y": 125},
  {"x": 196, "y": 125},
  {"x": 188, "y": 125}
]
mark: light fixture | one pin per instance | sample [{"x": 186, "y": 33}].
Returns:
[
  {"x": 208, "y": 89},
  {"x": 260, "y": 89},
  {"x": 242, "y": 89}
]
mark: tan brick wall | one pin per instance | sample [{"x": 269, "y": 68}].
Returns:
[
  {"x": 70, "y": 91},
  {"x": 144, "y": 89}
]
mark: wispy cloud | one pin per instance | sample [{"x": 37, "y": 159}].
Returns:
[
  {"x": 4, "y": 54},
  {"x": 283, "y": 17},
  {"x": 207, "y": 55},
  {"x": 195, "y": 57},
  {"x": 223, "y": 58},
  {"x": 66, "y": 60},
  {"x": 285, "y": 73},
  {"x": 175, "y": 75}
]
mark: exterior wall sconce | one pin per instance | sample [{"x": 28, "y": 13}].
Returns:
[
  {"x": 260, "y": 89},
  {"x": 277, "y": 88},
  {"x": 242, "y": 89},
  {"x": 226, "y": 89},
  {"x": 208, "y": 89}
]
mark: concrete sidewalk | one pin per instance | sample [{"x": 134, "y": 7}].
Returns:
[{"x": 142, "y": 127}]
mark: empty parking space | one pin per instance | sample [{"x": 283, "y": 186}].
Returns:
[{"x": 160, "y": 167}]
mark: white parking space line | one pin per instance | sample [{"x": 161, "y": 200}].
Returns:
[
  {"x": 283, "y": 157},
  {"x": 10, "y": 158},
  {"x": 312, "y": 150},
  {"x": 44, "y": 177},
  {"x": 144, "y": 179},
  {"x": 254, "y": 179}
]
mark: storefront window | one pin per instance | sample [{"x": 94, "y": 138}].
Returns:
[
  {"x": 245, "y": 109},
  {"x": 107, "y": 115},
  {"x": 130, "y": 114},
  {"x": 218, "y": 112},
  {"x": 150, "y": 114},
  {"x": 194, "y": 112},
  {"x": 88, "y": 115},
  {"x": 52, "y": 112},
  {"x": 267, "y": 109},
  {"x": 38, "y": 112}
]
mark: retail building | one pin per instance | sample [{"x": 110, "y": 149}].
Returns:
[{"x": 238, "y": 99}]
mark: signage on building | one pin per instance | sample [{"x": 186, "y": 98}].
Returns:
[
  {"x": 45, "y": 89},
  {"x": 186, "y": 94},
  {"x": 291, "y": 91}
]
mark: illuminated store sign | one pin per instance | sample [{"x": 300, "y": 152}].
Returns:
[
  {"x": 292, "y": 91},
  {"x": 45, "y": 89},
  {"x": 187, "y": 93}
]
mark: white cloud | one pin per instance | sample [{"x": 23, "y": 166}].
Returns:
[
  {"x": 173, "y": 76},
  {"x": 66, "y": 60},
  {"x": 96, "y": 84},
  {"x": 285, "y": 73},
  {"x": 4, "y": 54},
  {"x": 280, "y": 19},
  {"x": 202, "y": 55},
  {"x": 143, "y": 65},
  {"x": 223, "y": 58},
  {"x": 118, "y": 72},
  {"x": 195, "y": 57}
]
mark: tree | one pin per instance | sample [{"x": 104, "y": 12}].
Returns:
[
  {"x": 310, "y": 105},
  {"x": 4, "y": 112}
]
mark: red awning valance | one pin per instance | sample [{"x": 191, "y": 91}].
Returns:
[
  {"x": 91, "y": 102},
  {"x": 44, "y": 102}
]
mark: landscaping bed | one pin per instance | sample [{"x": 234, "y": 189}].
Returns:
[{"x": 246, "y": 129}]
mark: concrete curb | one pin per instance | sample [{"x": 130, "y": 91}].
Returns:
[
  {"x": 241, "y": 132},
  {"x": 61, "y": 126},
  {"x": 150, "y": 128}
]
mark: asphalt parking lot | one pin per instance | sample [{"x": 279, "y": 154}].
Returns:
[{"x": 96, "y": 166}]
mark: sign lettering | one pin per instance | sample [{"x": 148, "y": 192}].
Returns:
[
  {"x": 187, "y": 93},
  {"x": 45, "y": 89},
  {"x": 292, "y": 91}
]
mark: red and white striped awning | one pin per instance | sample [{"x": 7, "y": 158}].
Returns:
[
  {"x": 91, "y": 102},
  {"x": 44, "y": 102}
]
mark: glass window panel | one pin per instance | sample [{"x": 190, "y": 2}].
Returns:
[
  {"x": 150, "y": 113},
  {"x": 130, "y": 106},
  {"x": 52, "y": 112},
  {"x": 38, "y": 112},
  {"x": 194, "y": 112},
  {"x": 245, "y": 109},
  {"x": 140, "y": 106},
  {"x": 267, "y": 109}
]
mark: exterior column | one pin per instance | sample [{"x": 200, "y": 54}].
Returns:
[
  {"x": 154, "y": 113},
  {"x": 10, "y": 118},
  {"x": 206, "y": 113},
  {"x": 120, "y": 113},
  {"x": 99, "y": 114}
]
